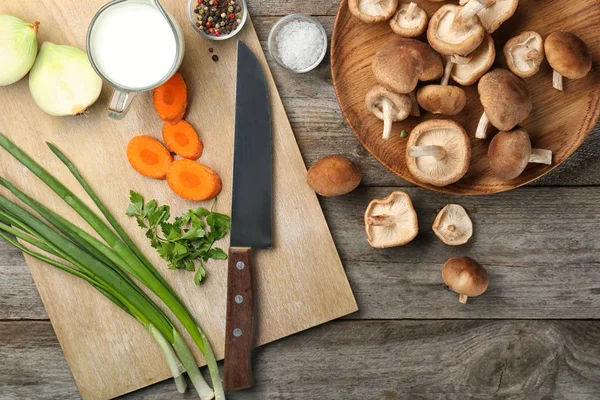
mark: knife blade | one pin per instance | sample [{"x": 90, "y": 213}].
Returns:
[{"x": 251, "y": 210}]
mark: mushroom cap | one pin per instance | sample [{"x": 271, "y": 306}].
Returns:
[
  {"x": 401, "y": 63},
  {"x": 402, "y": 103},
  {"x": 453, "y": 138},
  {"x": 403, "y": 26},
  {"x": 508, "y": 153},
  {"x": 446, "y": 39},
  {"x": 465, "y": 276},
  {"x": 492, "y": 17},
  {"x": 524, "y": 54},
  {"x": 442, "y": 99},
  {"x": 505, "y": 98},
  {"x": 371, "y": 11},
  {"x": 452, "y": 225},
  {"x": 481, "y": 61},
  {"x": 568, "y": 55},
  {"x": 405, "y": 228},
  {"x": 333, "y": 175}
]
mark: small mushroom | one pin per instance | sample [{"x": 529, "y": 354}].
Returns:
[
  {"x": 391, "y": 222},
  {"x": 479, "y": 62},
  {"x": 453, "y": 225},
  {"x": 466, "y": 277},
  {"x": 371, "y": 11},
  {"x": 455, "y": 30},
  {"x": 401, "y": 63},
  {"x": 333, "y": 175},
  {"x": 388, "y": 107},
  {"x": 524, "y": 54},
  {"x": 568, "y": 56},
  {"x": 510, "y": 152},
  {"x": 442, "y": 99},
  {"x": 505, "y": 99},
  {"x": 409, "y": 21},
  {"x": 495, "y": 13},
  {"x": 438, "y": 152}
]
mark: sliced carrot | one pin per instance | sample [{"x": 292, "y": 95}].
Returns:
[
  {"x": 149, "y": 157},
  {"x": 170, "y": 99},
  {"x": 182, "y": 139},
  {"x": 193, "y": 181}
]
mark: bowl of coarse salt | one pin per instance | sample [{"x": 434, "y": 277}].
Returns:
[{"x": 298, "y": 43}]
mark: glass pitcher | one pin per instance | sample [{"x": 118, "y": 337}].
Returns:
[{"x": 125, "y": 44}]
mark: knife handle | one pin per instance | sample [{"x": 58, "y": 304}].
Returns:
[{"x": 239, "y": 331}]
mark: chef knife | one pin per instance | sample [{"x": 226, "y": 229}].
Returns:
[{"x": 250, "y": 213}]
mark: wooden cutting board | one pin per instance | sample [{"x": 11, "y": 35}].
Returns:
[
  {"x": 559, "y": 121},
  {"x": 301, "y": 281}
]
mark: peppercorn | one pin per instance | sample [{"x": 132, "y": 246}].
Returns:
[{"x": 215, "y": 58}]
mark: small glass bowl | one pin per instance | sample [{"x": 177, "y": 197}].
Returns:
[
  {"x": 272, "y": 41},
  {"x": 193, "y": 18}
]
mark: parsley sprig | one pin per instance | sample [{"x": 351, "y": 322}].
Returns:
[{"x": 187, "y": 243}]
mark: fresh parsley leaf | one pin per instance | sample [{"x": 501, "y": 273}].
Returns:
[{"x": 187, "y": 243}]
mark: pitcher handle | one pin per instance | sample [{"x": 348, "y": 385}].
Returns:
[{"x": 120, "y": 103}]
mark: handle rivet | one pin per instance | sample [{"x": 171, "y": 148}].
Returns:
[
  {"x": 239, "y": 299},
  {"x": 240, "y": 265},
  {"x": 237, "y": 332}
]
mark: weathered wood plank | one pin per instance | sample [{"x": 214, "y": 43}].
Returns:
[
  {"x": 540, "y": 245},
  {"x": 366, "y": 360},
  {"x": 281, "y": 8}
]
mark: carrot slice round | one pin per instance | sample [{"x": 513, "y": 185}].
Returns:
[
  {"x": 193, "y": 181},
  {"x": 182, "y": 139},
  {"x": 149, "y": 157},
  {"x": 170, "y": 99}
]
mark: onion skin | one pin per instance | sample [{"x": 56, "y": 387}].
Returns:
[
  {"x": 62, "y": 81},
  {"x": 18, "y": 48}
]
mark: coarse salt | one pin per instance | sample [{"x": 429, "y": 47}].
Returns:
[{"x": 300, "y": 44}]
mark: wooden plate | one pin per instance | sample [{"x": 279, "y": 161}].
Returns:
[{"x": 559, "y": 121}]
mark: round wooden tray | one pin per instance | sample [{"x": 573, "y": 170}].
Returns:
[{"x": 559, "y": 121}]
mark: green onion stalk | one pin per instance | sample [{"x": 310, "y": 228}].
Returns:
[{"x": 108, "y": 263}]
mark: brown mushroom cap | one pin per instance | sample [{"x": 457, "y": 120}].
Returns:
[
  {"x": 481, "y": 61},
  {"x": 568, "y": 55},
  {"x": 492, "y": 17},
  {"x": 409, "y": 21},
  {"x": 524, "y": 53},
  {"x": 452, "y": 225},
  {"x": 450, "y": 164},
  {"x": 333, "y": 175},
  {"x": 442, "y": 99},
  {"x": 391, "y": 222},
  {"x": 371, "y": 11},
  {"x": 505, "y": 98},
  {"x": 388, "y": 106},
  {"x": 450, "y": 38},
  {"x": 465, "y": 276},
  {"x": 401, "y": 63},
  {"x": 508, "y": 153}
]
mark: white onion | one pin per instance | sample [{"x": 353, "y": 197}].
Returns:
[
  {"x": 62, "y": 80},
  {"x": 18, "y": 48}
]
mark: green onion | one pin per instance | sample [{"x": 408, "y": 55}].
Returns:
[{"x": 107, "y": 263}]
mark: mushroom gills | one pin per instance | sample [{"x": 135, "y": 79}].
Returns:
[
  {"x": 373, "y": 8},
  {"x": 391, "y": 222},
  {"x": 447, "y": 28},
  {"x": 479, "y": 62},
  {"x": 452, "y": 225}
]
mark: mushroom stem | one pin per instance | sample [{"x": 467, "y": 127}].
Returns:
[
  {"x": 411, "y": 11},
  {"x": 541, "y": 156},
  {"x": 482, "y": 126},
  {"x": 462, "y": 298},
  {"x": 388, "y": 109},
  {"x": 381, "y": 220},
  {"x": 414, "y": 111},
  {"x": 427, "y": 151},
  {"x": 557, "y": 81},
  {"x": 469, "y": 10},
  {"x": 447, "y": 71}
]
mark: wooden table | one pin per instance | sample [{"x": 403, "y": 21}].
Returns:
[{"x": 535, "y": 334}]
